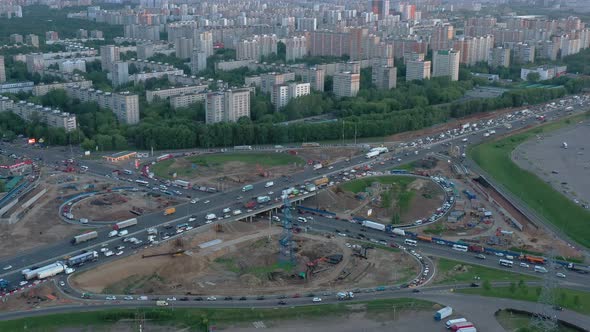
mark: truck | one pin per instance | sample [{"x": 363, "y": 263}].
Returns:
[
  {"x": 169, "y": 211},
  {"x": 475, "y": 248},
  {"x": 113, "y": 233},
  {"x": 398, "y": 231},
  {"x": 210, "y": 216},
  {"x": 45, "y": 271},
  {"x": 247, "y": 187},
  {"x": 317, "y": 166},
  {"x": 345, "y": 295},
  {"x": 84, "y": 237},
  {"x": 424, "y": 238},
  {"x": 164, "y": 157},
  {"x": 373, "y": 225},
  {"x": 578, "y": 268},
  {"x": 262, "y": 199},
  {"x": 182, "y": 184},
  {"x": 371, "y": 154},
  {"x": 82, "y": 258},
  {"x": 310, "y": 187},
  {"x": 161, "y": 303},
  {"x": 443, "y": 313},
  {"x": 321, "y": 181},
  {"x": 152, "y": 231},
  {"x": 124, "y": 224},
  {"x": 457, "y": 326},
  {"x": 250, "y": 205}
]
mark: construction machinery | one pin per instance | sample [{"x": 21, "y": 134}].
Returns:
[
  {"x": 312, "y": 266},
  {"x": 262, "y": 172}
]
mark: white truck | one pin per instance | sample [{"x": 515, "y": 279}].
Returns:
[
  {"x": 398, "y": 231},
  {"x": 45, "y": 271},
  {"x": 345, "y": 295},
  {"x": 371, "y": 154},
  {"x": 210, "y": 216},
  {"x": 317, "y": 166},
  {"x": 113, "y": 233},
  {"x": 125, "y": 224},
  {"x": 373, "y": 225}
]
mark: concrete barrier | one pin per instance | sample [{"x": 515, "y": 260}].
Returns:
[{"x": 33, "y": 199}]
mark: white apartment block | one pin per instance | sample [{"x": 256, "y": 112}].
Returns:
[
  {"x": 69, "y": 66},
  {"x": 417, "y": 70},
  {"x": 162, "y": 94},
  {"x": 186, "y": 100},
  {"x": 446, "y": 63},
  {"x": 2, "y": 70},
  {"x": 119, "y": 73},
  {"x": 306, "y": 24},
  {"x": 124, "y": 105},
  {"x": 283, "y": 93},
  {"x": 51, "y": 117},
  {"x": 346, "y": 84},
  {"x": 109, "y": 54},
  {"x": 257, "y": 47},
  {"x": 269, "y": 80},
  {"x": 227, "y": 106},
  {"x": 316, "y": 77}
]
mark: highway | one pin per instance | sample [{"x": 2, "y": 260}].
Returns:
[{"x": 219, "y": 201}]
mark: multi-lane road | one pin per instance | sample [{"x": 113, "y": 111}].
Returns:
[{"x": 219, "y": 201}]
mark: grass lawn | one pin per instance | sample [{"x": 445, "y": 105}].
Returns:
[
  {"x": 459, "y": 272},
  {"x": 495, "y": 158},
  {"x": 359, "y": 185},
  {"x": 512, "y": 321},
  {"x": 199, "y": 319},
  {"x": 166, "y": 167},
  {"x": 568, "y": 298}
]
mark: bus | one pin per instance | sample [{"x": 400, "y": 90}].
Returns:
[
  {"x": 459, "y": 247},
  {"x": 142, "y": 182},
  {"x": 411, "y": 242},
  {"x": 506, "y": 263}
]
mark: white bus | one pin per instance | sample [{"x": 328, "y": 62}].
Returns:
[
  {"x": 459, "y": 247},
  {"x": 411, "y": 242},
  {"x": 142, "y": 182},
  {"x": 452, "y": 322},
  {"x": 505, "y": 262}
]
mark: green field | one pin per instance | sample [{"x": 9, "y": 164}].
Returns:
[
  {"x": 568, "y": 298},
  {"x": 455, "y": 272},
  {"x": 359, "y": 185},
  {"x": 200, "y": 319},
  {"x": 495, "y": 158},
  {"x": 165, "y": 168},
  {"x": 512, "y": 321}
]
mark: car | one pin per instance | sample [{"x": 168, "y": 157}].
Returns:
[
  {"x": 260, "y": 298},
  {"x": 296, "y": 296},
  {"x": 243, "y": 298},
  {"x": 317, "y": 299},
  {"x": 128, "y": 298},
  {"x": 499, "y": 254},
  {"x": 7, "y": 267},
  {"x": 560, "y": 275},
  {"x": 191, "y": 219},
  {"x": 198, "y": 298},
  {"x": 207, "y": 202},
  {"x": 111, "y": 298},
  {"x": 119, "y": 248},
  {"x": 23, "y": 283},
  {"x": 184, "y": 299},
  {"x": 480, "y": 256},
  {"x": 171, "y": 299},
  {"x": 228, "y": 298},
  {"x": 62, "y": 283},
  {"x": 119, "y": 253},
  {"x": 558, "y": 308},
  {"x": 525, "y": 265},
  {"x": 194, "y": 201},
  {"x": 415, "y": 290},
  {"x": 282, "y": 302},
  {"x": 211, "y": 298},
  {"x": 474, "y": 284}
]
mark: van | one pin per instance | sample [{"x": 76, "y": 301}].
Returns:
[
  {"x": 509, "y": 257},
  {"x": 161, "y": 303},
  {"x": 210, "y": 216},
  {"x": 226, "y": 210},
  {"x": 113, "y": 233},
  {"x": 269, "y": 184},
  {"x": 540, "y": 269},
  {"x": 236, "y": 212},
  {"x": 452, "y": 322},
  {"x": 123, "y": 232}
]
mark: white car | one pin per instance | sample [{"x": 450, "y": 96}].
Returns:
[
  {"x": 171, "y": 299},
  {"x": 192, "y": 219},
  {"x": 23, "y": 283},
  {"x": 317, "y": 299},
  {"x": 206, "y": 202},
  {"x": 111, "y": 298},
  {"x": 559, "y": 274},
  {"x": 525, "y": 265},
  {"x": 211, "y": 298},
  {"x": 7, "y": 267},
  {"x": 270, "y": 193},
  {"x": 119, "y": 253},
  {"x": 128, "y": 298},
  {"x": 109, "y": 253},
  {"x": 194, "y": 201},
  {"x": 62, "y": 284}
]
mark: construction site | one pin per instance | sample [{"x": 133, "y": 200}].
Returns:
[
  {"x": 227, "y": 170},
  {"x": 242, "y": 258}
]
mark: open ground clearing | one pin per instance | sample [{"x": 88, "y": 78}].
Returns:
[
  {"x": 42, "y": 296},
  {"x": 568, "y": 298},
  {"x": 246, "y": 263},
  {"x": 228, "y": 319},
  {"x": 455, "y": 272},
  {"x": 398, "y": 199},
  {"x": 115, "y": 206},
  {"x": 495, "y": 158}
]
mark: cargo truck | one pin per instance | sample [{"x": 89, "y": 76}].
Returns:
[
  {"x": 372, "y": 154},
  {"x": 468, "y": 329},
  {"x": 462, "y": 325},
  {"x": 169, "y": 211},
  {"x": 161, "y": 303},
  {"x": 247, "y": 188},
  {"x": 476, "y": 248},
  {"x": 424, "y": 238},
  {"x": 250, "y": 205},
  {"x": 152, "y": 231},
  {"x": 262, "y": 199},
  {"x": 82, "y": 258},
  {"x": 84, "y": 237},
  {"x": 124, "y": 224},
  {"x": 373, "y": 225},
  {"x": 45, "y": 271},
  {"x": 182, "y": 184},
  {"x": 443, "y": 313},
  {"x": 321, "y": 181},
  {"x": 345, "y": 295}
]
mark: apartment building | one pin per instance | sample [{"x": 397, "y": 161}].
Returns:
[
  {"x": 346, "y": 84},
  {"x": 125, "y": 105},
  {"x": 446, "y": 63},
  {"x": 417, "y": 70},
  {"x": 499, "y": 57},
  {"x": 52, "y": 117},
  {"x": 316, "y": 77},
  {"x": 69, "y": 66},
  {"x": 42, "y": 89},
  {"x": 227, "y": 106},
  {"x": 256, "y": 47},
  {"x": 109, "y": 54},
  {"x": 2, "y": 70},
  {"x": 185, "y": 100},
  {"x": 198, "y": 61},
  {"x": 162, "y": 94},
  {"x": 296, "y": 47},
  {"x": 35, "y": 62},
  {"x": 283, "y": 93},
  {"x": 269, "y": 80},
  {"x": 119, "y": 73}
]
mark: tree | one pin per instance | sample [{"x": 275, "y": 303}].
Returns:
[{"x": 533, "y": 77}]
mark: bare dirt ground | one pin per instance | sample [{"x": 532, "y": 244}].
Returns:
[
  {"x": 426, "y": 198},
  {"x": 118, "y": 205},
  {"x": 245, "y": 263},
  {"x": 42, "y": 296}
]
